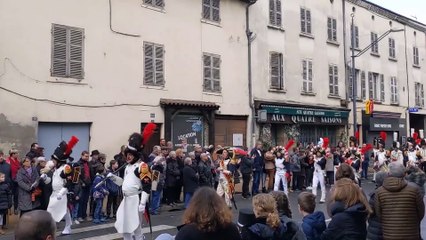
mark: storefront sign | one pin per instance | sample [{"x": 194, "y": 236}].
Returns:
[
  {"x": 384, "y": 124},
  {"x": 413, "y": 110},
  {"x": 293, "y": 119},
  {"x": 187, "y": 131},
  {"x": 295, "y": 111}
]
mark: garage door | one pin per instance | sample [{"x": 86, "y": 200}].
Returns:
[{"x": 51, "y": 134}]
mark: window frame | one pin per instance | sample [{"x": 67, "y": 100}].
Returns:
[
  {"x": 154, "y": 3},
  {"x": 394, "y": 90},
  {"x": 211, "y": 8},
  {"x": 305, "y": 21},
  {"x": 419, "y": 94},
  {"x": 275, "y": 13},
  {"x": 392, "y": 49},
  {"x": 211, "y": 79},
  {"x": 331, "y": 29},
  {"x": 280, "y": 75},
  {"x": 307, "y": 75},
  {"x": 375, "y": 46},
  {"x": 416, "y": 60},
  {"x": 155, "y": 59},
  {"x": 333, "y": 79}
]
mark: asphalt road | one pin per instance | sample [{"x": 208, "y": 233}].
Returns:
[{"x": 167, "y": 221}]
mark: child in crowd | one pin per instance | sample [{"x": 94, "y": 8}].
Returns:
[
  {"x": 99, "y": 193},
  {"x": 313, "y": 222},
  {"x": 5, "y": 200}
]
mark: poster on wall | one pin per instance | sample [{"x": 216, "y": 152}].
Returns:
[{"x": 187, "y": 132}]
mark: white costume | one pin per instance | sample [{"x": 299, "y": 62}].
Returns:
[
  {"x": 412, "y": 156},
  {"x": 319, "y": 174},
  {"x": 128, "y": 219},
  {"x": 280, "y": 175},
  {"x": 225, "y": 182},
  {"x": 58, "y": 200},
  {"x": 396, "y": 156}
]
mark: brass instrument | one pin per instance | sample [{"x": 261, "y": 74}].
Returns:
[{"x": 76, "y": 174}]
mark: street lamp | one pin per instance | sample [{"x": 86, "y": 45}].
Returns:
[{"x": 353, "y": 74}]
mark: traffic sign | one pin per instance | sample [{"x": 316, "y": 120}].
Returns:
[{"x": 413, "y": 110}]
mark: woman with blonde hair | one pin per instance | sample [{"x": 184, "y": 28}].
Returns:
[
  {"x": 349, "y": 212},
  {"x": 268, "y": 224},
  {"x": 207, "y": 217}
]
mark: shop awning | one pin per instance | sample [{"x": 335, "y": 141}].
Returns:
[{"x": 188, "y": 103}]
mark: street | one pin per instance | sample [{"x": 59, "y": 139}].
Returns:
[{"x": 168, "y": 220}]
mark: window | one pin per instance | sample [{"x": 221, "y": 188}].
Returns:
[
  {"x": 307, "y": 75},
  {"x": 305, "y": 21},
  {"x": 419, "y": 94},
  {"x": 375, "y": 43},
  {"x": 211, "y": 64},
  {"x": 350, "y": 88},
  {"x": 154, "y": 64},
  {"x": 154, "y": 3},
  {"x": 376, "y": 86},
  {"x": 67, "y": 52},
  {"x": 416, "y": 56},
  {"x": 333, "y": 79},
  {"x": 394, "y": 90},
  {"x": 276, "y": 68},
  {"x": 332, "y": 29},
  {"x": 363, "y": 86},
  {"x": 275, "y": 16},
  {"x": 392, "y": 48},
  {"x": 356, "y": 37},
  {"x": 211, "y": 10}
]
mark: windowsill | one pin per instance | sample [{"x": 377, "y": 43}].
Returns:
[
  {"x": 61, "y": 81},
  {"x": 356, "y": 49},
  {"x": 273, "y": 27},
  {"x": 277, "y": 90},
  {"x": 416, "y": 66},
  {"x": 395, "y": 104},
  {"x": 374, "y": 54},
  {"x": 307, "y": 93},
  {"x": 157, "y": 9},
  {"x": 393, "y": 59},
  {"x": 334, "y": 96},
  {"x": 153, "y": 87},
  {"x": 334, "y": 43},
  {"x": 307, "y": 35},
  {"x": 210, "y": 22},
  {"x": 213, "y": 93},
  {"x": 377, "y": 102},
  {"x": 358, "y": 99}
]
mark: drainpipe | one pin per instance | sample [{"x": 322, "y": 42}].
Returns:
[{"x": 250, "y": 39}]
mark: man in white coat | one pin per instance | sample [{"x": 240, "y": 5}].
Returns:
[{"x": 58, "y": 200}]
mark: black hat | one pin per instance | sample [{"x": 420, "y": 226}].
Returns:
[
  {"x": 59, "y": 153},
  {"x": 94, "y": 152},
  {"x": 246, "y": 217},
  {"x": 135, "y": 145}
]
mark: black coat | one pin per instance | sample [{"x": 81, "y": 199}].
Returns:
[
  {"x": 191, "y": 232},
  {"x": 46, "y": 190},
  {"x": 85, "y": 182},
  {"x": 374, "y": 231},
  {"x": 5, "y": 168},
  {"x": 346, "y": 223},
  {"x": 5, "y": 200},
  {"x": 258, "y": 161},
  {"x": 246, "y": 165},
  {"x": 173, "y": 174},
  {"x": 190, "y": 179},
  {"x": 261, "y": 231},
  {"x": 206, "y": 175}
]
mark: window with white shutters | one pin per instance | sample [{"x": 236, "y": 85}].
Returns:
[
  {"x": 332, "y": 29},
  {"x": 276, "y": 71},
  {"x": 333, "y": 78},
  {"x": 356, "y": 36},
  {"x": 211, "y": 63},
  {"x": 67, "y": 52},
  {"x": 416, "y": 56},
  {"x": 394, "y": 90},
  {"x": 392, "y": 53},
  {"x": 307, "y": 76},
  {"x": 211, "y": 10},
  {"x": 305, "y": 21},
  {"x": 419, "y": 94},
  {"x": 375, "y": 43},
  {"x": 154, "y": 64},
  {"x": 275, "y": 14},
  {"x": 154, "y": 3}
]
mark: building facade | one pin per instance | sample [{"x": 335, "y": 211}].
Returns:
[{"x": 102, "y": 70}]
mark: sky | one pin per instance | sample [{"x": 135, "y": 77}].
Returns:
[{"x": 409, "y": 8}]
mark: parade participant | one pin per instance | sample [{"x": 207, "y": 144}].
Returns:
[
  {"x": 137, "y": 180},
  {"x": 412, "y": 153},
  {"x": 380, "y": 160},
  {"x": 58, "y": 200},
  {"x": 319, "y": 166},
  {"x": 280, "y": 174},
  {"x": 422, "y": 155}
]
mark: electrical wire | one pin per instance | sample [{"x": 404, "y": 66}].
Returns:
[{"x": 110, "y": 24}]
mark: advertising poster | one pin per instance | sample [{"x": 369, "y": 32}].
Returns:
[{"x": 187, "y": 132}]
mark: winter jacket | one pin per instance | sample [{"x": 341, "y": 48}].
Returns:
[
  {"x": 246, "y": 165},
  {"x": 346, "y": 223},
  {"x": 173, "y": 174},
  {"x": 93, "y": 167},
  {"x": 191, "y": 232},
  {"x": 112, "y": 187},
  {"x": 374, "y": 230},
  {"x": 418, "y": 178},
  {"x": 400, "y": 207},
  {"x": 121, "y": 159},
  {"x": 190, "y": 179},
  {"x": 100, "y": 191},
  {"x": 261, "y": 231},
  {"x": 5, "y": 168},
  {"x": 258, "y": 161},
  {"x": 205, "y": 172},
  {"x": 25, "y": 181},
  {"x": 294, "y": 231},
  {"x": 15, "y": 165},
  {"x": 86, "y": 181},
  {"x": 46, "y": 190},
  {"x": 313, "y": 225},
  {"x": 5, "y": 198},
  {"x": 295, "y": 162}
]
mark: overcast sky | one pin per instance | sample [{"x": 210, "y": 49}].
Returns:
[{"x": 409, "y": 8}]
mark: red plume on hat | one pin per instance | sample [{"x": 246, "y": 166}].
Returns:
[
  {"x": 289, "y": 144},
  {"x": 383, "y": 136},
  {"x": 71, "y": 143},
  {"x": 148, "y": 131},
  {"x": 240, "y": 152},
  {"x": 325, "y": 143}
]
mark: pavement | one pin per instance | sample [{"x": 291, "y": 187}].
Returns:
[{"x": 169, "y": 218}]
